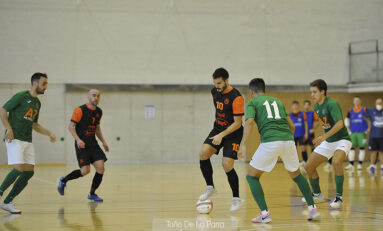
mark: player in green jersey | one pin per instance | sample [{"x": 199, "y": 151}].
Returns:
[
  {"x": 23, "y": 109},
  {"x": 334, "y": 143},
  {"x": 277, "y": 140}
]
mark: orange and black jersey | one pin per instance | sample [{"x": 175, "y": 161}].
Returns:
[
  {"x": 227, "y": 105},
  {"x": 86, "y": 120}
]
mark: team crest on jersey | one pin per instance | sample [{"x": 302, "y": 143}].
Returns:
[{"x": 227, "y": 101}]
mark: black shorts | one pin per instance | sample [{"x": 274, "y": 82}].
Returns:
[
  {"x": 298, "y": 141},
  {"x": 89, "y": 154},
  {"x": 309, "y": 141},
  {"x": 376, "y": 144},
  {"x": 230, "y": 146}
]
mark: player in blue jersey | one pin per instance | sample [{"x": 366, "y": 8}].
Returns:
[
  {"x": 357, "y": 128},
  {"x": 301, "y": 130},
  {"x": 374, "y": 118}
]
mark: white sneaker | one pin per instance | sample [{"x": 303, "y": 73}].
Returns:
[
  {"x": 337, "y": 203},
  {"x": 349, "y": 167},
  {"x": 359, "y": 167},
  {"x": 317, "y": 197},
  {"x": 313, "y": 214},
  {"x": 10, "y": 208},
  {"x": 262, "y": 218},
  {"x": 210, "y": 190},
  {"x": 236, "y": 204}
]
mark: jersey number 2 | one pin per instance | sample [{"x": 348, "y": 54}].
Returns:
[{"x": 268, "y": 109}]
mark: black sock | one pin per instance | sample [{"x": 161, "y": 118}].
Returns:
[
  {"x": 351, "y": 162},
  {"x": 73, "y": 175},
  {"x": 304, "y": 156},
  {"x": 207, "y": 171},
  {"x": 232, "y": 177},
  {"x": 96, "y": 182}
]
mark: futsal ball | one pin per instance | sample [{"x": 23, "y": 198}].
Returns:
[{"x": 204, "y": 207}]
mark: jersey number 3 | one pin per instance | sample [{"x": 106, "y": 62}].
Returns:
[{"x": 268, "y": 109}]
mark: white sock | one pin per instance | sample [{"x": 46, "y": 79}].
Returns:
[
  {"x": 264, "y": 212},
  {"x": 351, "y": 155},
  {"x": 362, "y": 154},
  {"x": 311, "y": 207}
]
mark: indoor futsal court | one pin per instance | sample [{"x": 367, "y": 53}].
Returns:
[{"x": 191, "y": 115}]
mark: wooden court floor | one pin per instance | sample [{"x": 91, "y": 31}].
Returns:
[{"x": 163, "y": 197}]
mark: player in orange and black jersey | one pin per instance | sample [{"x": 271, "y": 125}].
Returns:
[
  {"x": 226, "y": 134},
  {"x": 84, "y": 127}
]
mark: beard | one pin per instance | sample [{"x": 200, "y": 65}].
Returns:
[
  {"x": 222, "y": 89},
  {"x": 40, "y": 91}
]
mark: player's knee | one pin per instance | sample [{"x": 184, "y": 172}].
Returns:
[
  {"x": 203, "y": 155},
  {"x": 85, "y": 171},
  {"x": 337, "y": 163},
  {"x": 227, "y": 166},
  {"x": 100, "y": 170}
]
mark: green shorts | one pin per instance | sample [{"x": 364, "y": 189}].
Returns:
[{"x": 358, "y": 139}]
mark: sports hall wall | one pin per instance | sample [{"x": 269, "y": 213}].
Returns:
[{"x": 182, "y": 42}]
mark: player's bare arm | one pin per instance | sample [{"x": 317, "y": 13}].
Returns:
[
  {"x": 338, "y": 125},
  {"x": 306, "y": 131},
  {"x": 291, "y": 124},
  {"x": 232, "y": 128},
  {"x": 72, "y": 130},
  {"x": 7, "y": 125},
  {"x": 249, "y": 124},
  {"x": 368, "y": 124},
  {"x": 40, "y": 129},
  {"x": 101, "y": 138}
]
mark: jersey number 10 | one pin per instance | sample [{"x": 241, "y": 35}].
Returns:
[{"x": 269, "y": 112}]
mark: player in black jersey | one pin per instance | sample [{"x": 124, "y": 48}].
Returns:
[
  {"x": 84, "y": 127},
  {"x": 226, "y": 134}
]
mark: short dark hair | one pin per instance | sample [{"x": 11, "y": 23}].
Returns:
[
  {"x": 357, "y": 96},
  {"x": 37, "y": 76},
  {"x": 307, "y": 101},
  {"x": 257, "y": 85},
  {"x": 295, "y": 102},
  {"x": 221, "y": 73},
  {"x": 320, "y": 84}
]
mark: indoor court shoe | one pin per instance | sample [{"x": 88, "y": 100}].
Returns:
[
  {"x": 95, "y": 198},
  {"x": 372, "y": 169},
  {"x": 61, "y": 186},
  {"x": 313, "y": 214},
  {"x": 359, "y": 167},
  {"x": 337, "y": 203},
  {"x": 262, "y": 218},
  {"x": 236, "y": 204},
  {"x": 349, "y": 167},
  {"x": 210, "y": 190},
  {"x": 316, "y": 196},
  {"x": 10, "y": 208}
]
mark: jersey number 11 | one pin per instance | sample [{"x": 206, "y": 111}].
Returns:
[{"x": 268, "y": 109}]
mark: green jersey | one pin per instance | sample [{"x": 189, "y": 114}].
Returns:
[
  {"x": 23, "y": 111},
  {"x": 270, "y": 116},
  {"x": 329, "y": 113}
]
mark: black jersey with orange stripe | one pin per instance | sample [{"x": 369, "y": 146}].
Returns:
[
  {"x": 87, "y": 120},
  {"x": 227, "y": 105}
]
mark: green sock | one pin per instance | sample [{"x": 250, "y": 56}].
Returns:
[
  {"x": 305, "y": 188},
  {"x": 315, "y": 185},
  {"x": 19, "y": 185},
  {"x": 339, "y": 185},
  {"x": 9, "y": 179},
  {"x": 257, "y": 191}
]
